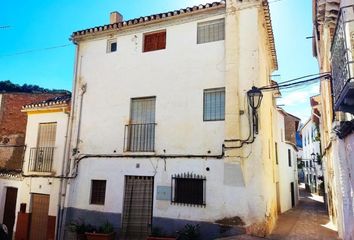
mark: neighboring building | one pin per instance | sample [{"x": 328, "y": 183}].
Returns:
[
  {"x": 311, "y": 156},
  {"x": 333, "y": 47},
  {"x": 12, "y": 147},
  {"x": 38, "y": 193},
  {"x": 286, "y": 160},
  {"x": 162, "y": 134}
]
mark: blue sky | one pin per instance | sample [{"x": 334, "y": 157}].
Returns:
[{"x": 41, "y": 24}]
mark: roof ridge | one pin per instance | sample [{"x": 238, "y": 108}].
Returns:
[{"x": 148, "y": 18}]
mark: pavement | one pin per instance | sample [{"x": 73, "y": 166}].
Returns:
[{"x": 307, "y": 221}]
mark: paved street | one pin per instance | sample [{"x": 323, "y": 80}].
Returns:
[{"x": 308, "y": 221}]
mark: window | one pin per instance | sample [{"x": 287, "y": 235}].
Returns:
[
  {"x": 211, "y": 31},
  {"x": 111, "y": 45},
  {"x": 214, "y": 104},
  {"x": 188, "y": 189},
  {"x": 154, "y": 41},
  {"x": 140, "y": 133},
  {"x": 276, "y": 153},
  {"x": 98, "y": 192},
  {"x": 289, "y": 157},
  {"x": 41, "y": 157}
]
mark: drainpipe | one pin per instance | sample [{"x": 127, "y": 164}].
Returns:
[
  {"x": 67, "y": 156},
  {"x": 60, "y": 193}
]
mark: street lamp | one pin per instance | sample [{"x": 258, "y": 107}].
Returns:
[
  {"x": 313, "y": 157},
  {"x": 254, "y": 99}
]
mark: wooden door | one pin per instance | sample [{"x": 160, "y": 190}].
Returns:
[
  {"x": 39, "y": 217},
  {"x": 10, "y": 209},
  {"x": 137, "y": 208}
]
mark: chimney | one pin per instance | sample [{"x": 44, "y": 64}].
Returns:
[{"x": 115, "y": 17}]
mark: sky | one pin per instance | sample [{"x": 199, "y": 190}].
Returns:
[{"x": 35, "y": 49}]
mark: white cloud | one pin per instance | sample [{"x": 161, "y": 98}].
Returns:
[{"x": 298, "y": 97}]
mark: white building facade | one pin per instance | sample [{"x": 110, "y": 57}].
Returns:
[
  {"x": 286, "y": 160},
  {"x": 161, "y": 134},
  {"x": 42, "y": 177},
  {"x": 311, "y": 157}
]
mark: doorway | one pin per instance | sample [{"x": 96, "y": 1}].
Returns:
[
  {"x": 39, "y": 217},
  {"x": 292, "y": 189},
  {"x": 137, "y": 207},
  {"x": 10, "y": 209}
]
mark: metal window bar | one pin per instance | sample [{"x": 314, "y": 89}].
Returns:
[
  {"x": 341, "y": 50},
  {"x": 41, "y": 159},
  {"x": 214, "y": 104},
  {"x": 137, "y": 207},
  {"x": 188, "y": 189},
  {"x": 139, "y": 137},
  {"x": 211, "y": 31}
]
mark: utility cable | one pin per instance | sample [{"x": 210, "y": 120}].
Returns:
[
  {"x": 35, "y": 50},
  {"x": 293, "y": 84}
]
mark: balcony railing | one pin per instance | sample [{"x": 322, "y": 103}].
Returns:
[
  {"x": 41, "y": 159},
  {"x": 342, "y": 60},
  {"x": 139, "y": 137}
]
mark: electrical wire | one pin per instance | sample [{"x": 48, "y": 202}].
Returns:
[
  {"x": 291, "y": 84},
  {"x": 298, "y": 78},
  {"x": 35, "y": 50}
]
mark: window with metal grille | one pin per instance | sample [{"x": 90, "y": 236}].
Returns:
[
  {"x": 140, "y": 133},
  {"x": 111, "y": 45},
  {"x": 211, "y": 31},
  {"x": 98, "y": 192},
  {"x": 188, "y": 189},
  {"x": 214, "y": 104},
  {"x": 154, "y": 41}
]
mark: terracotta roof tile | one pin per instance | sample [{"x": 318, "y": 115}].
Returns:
[
  {"x": 65, "y": 99},
  {"x": 145, "y": 19},
  {"x": 155, "y": 17}
]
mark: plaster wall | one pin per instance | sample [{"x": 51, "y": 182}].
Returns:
[
  {"x": 45, "y": 184},
  {"x": 4, "y": 184},
  {"x": 240, "y": 184},
  {"x": 34, "y": 119},
  {"x": 287, "y": 174},
  {"x": 220, "y": 198},
  {"x": 176, "y": 76}
]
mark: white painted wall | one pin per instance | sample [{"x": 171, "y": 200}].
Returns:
[
  {"x": 43, "y": 185},
  {"x": 310, "y": 146},
  {"x": 287, "y": 174},
  {"x": 177, "y": 77},
  {"x": 4, "y": 184}
]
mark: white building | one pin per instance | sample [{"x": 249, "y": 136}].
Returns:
[
  {"x": 311, "y": 157},
  {"x": 42, "y": 177},
  {"x": 286, "y": 160},
  {"x": 161, "y": 125}
]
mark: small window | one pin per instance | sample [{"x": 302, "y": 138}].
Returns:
[
  {"x": 154, "y": 41},
  {"x": 211, "y": 31},
  {"x": 289, "y": 157},
  {"x": 111, "y": 45},
  {"x": 98, "y": 192},
  {"x": 188, "y": 189},
  {"x": 214, "y": 104}
]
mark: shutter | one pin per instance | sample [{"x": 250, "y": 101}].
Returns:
[{"x": 154, "y": 41}]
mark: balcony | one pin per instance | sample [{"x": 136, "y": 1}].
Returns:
[
  {"x": 342, "y": 61},
  {"x": 139, "y": 137},
  {"x": 41, "y": 159}
]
